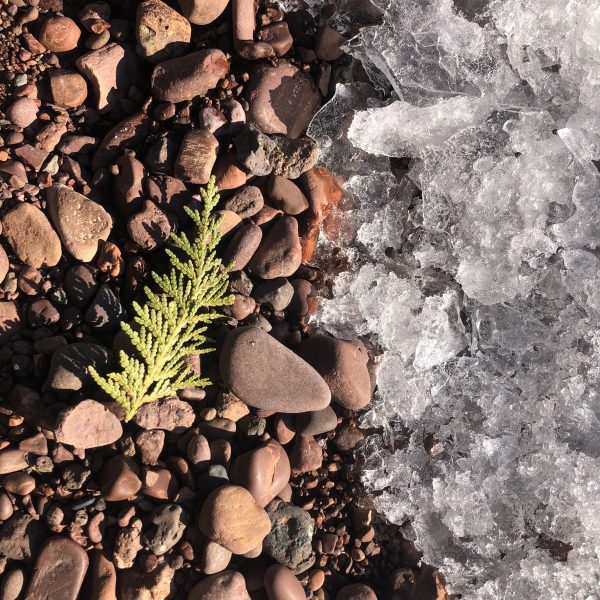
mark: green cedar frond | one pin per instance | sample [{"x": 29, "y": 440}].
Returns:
[{"x": 172, "y": 322}]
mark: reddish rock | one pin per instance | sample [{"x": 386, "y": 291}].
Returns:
[
  {"x": 244, "y": 23},
  {"x": 22, "y": 112},
  {"x": 242, "y": 246},
  {"x": 286, "y": 195},
  {"x": 149, "y": 228},
  {"x": 202, "y": 12},
  {"x": 306, "y": 455},
  {"x": 228, "y": 173},
  {"x": 189, "y": 76},
  {"x": 356, "y": 591},
  {"x": 103, "y": 577},
  {"x": 59, "y": 571},
  {"x": 197, "y": 156},
  {"x": 282, "y": 584},
  {"x": 68, "y": 88},
  {"x": 281, "y": 99},
  {"x": 10, "y": 320},
  {"x": 59, "y": 34},
  {"x": 119, "y": 479},
  {"x": 170, "y": 414},
  {"x": 228, "y": 585},
  {"x": 214, "y": 558},
  {"x": 88, "y": 424}
]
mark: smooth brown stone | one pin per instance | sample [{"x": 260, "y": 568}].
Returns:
[
  {"x": 81, "y": 223},
  {"x": 161, "y": 32},
  {"x": 245, "y": 203},
  {"x": 88, "y": 424},
  {"x": 59, "y": 571},
  {"x": 103, "y": 577},
  {"x": 186, "y": 77},
  {"x": 356, "y": 591},
  {"x": 31, "y": 236},
  {"x": 12, "y": 584},
  {"x": 214, "y": 558},
  {"x": 22, "y": 112},
  {"x": 119, "y": 479},
  {"x": 264, "y": 471},
  {"x": 286, "y": 195},
  {"x": 227, "y": 585},
  {"x": 128, "y": 185},
  {"x": 281, "y": 99},
  {"x": 343, "y": 366},
  {"x": 19, "y": 483},
  {"x": 59, "y": 34},
  {"x": 10, "y": 320},
  {"x": 282, "y": 584},
  {"x": 265, "y": 374},
  {"x": 316, "y": 422},
  {"x": 280, "y": 253},
  {"x": 228, "y": 173},
  {"x": 242, "y": 246},
  {"x": 197, "y": 156},
  {"x": 278, "y": 36},
  {"x": 69, "y": 89},
  {"x": 170, "y": 414},
  {"x": 306, "y": 455},
  {"x": 231, "y": 518},
  {"x": 202, "y": 12}
]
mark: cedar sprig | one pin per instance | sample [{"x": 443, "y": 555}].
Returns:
[{"x": 172, "y": 322}]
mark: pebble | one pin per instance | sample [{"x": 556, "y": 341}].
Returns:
[
  {"x": 75, "y": 144},
  {"x": 228, "y": 173},
  {"x": 111, "y": 71},
  {"x": 31, "y": 236},
  {"x": 158, "y": 483},
  {"x": 88, "y": 424},
  {"x": 348, "y": 438},
  {"x": 316, "y": 422},
  {"x": 227, "y": 585},
  {"x": 245, "y": 203},
  {"x": 31, "y": 156},
  {"x": 105, "y": 313},
  {"x": 275, "y": 293},
  {"x": 95, "y": 41},
  {"x": 263, "y": 471},
  {"x": 229, "y": 406},
  {"x": 230, "y": 517},
  {"x": 4, "y": 264},
  {"x": 281, "y": 584},
  {"x": 12, "y": 584},
  {"x": 170, "y": 414},
  {"x": 299, "y": 304},
  {"x": 59, "y": 34},
  {"x": 59, "y": 571},
  {"x": 186, "y": 77},
  {"x": 281, "y": 99},
  {"x": 280, "y": 252},
  {"x": 81, "y": 284},
  {"x": 306, "y": 455},
  {"x": 10, "y": 320},
  {"x": 68, "y": 89},
  {"x": 22, "y": 112},
  {"x": 244, "y": 23},
  {"x": 356, "y": 591},
  {"x": 161, "y": 32},
  {"x": 94, "y": 16},
  {"x": 214, "y": 558},
  {"x": 21, "y": 536},
  {"x": 286, "y": 195},
  {"x": 13, "y": 173},
  {"x": 242, "y": 246},
  {"x": 119, "y": 479},
  {"x": 278, "y": 36},
  {"x": 103, "y": 577},
  {"x": 286, "y": 383},
  {"x": 49, "y": 136},
  {"x": 127, "y": 545},
  {"x": 81, "y": 223},
  {"x": 202, "y": 12},
  {"x": 343, "y": 366},
  {"x": 69, "y": 366},
  {"x": 6, "y": 507},
  {"x": 139, "y": 585},
  {"x": 328, "y": 44},
  {"x": 168, "y": 525},
  {"x": 128, "y": 185},
  {"x": 217, "y": 429},
  {"x": 150, "y": 444},
  {"x": 197, "y": 156},
  {"x": 150, "y": 228},
  {"x": 290, "y": 539}
]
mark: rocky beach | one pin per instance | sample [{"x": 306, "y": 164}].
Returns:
[{"x": 120, "y": 123}]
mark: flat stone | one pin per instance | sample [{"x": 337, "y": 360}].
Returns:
[
  {"x": 12, "y": 584},
  {"x": 264, "y": 471},
  {"x": 69, "y": 367},
  {"x": 59, "y": 34},
  {"x": 32, "y": 156},
  {"x": 81, "y": 284},
  {"x": 111, "y": 71},
  {"x": 290, "y": 539},
  {"x": 278, "y": 36},
  {"x": 170, "y": 414},
  {"x": 13, "y": 173},
  {"x": 286, "y": 195},
  {"x": 281, "y": 99},
  {"x": 227, "y": 585},
  {"x": 274, "y": 293},
  {"x": 328, "y": 44},
  {"x": 202, "y": 12},
  {"x": 150, "y": 228},
  {"x": 356, "y": 591},
  {"x": 119, "y": 479},
  {"x": 88, "y": 424},
  {"x": 186, "y": 77},
  {"x": 282, "y": 584},
  {"x": 126, "y": 135},
  {"x": 306, "y": 455},
  {"x": 245, "y": 203},
  {"x": 286, "y": 383},
  {"x": 316, "y": 422},
  {"x": 105, "y": 313},
  {"x": 343, "y": 366},
  {"x": 31, "y": 236},
  {"x": 12, "y": 461},
  {"x": 22, "y": 112},
  {"x": 228, "y": 172},
  {"x": 280, "y": 252},
  {"x": 214, "y": 558},
  {"x": 68, "y": 89},
  {"x": 231, "y": 518},
  {"x": 50, "y": 135},
  {"x": 76, "y": 144},
  {"x": 81, "y": 223},
  {"x": 10, "y": 320},
  {"x": 161, "y": 32},
  {"x": 242, "y": 246},
  {"x": 103, "y": 577},
  {"x": 197, "y": 156}
]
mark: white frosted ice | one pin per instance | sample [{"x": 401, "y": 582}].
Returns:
[{"x": 482, "y": 292}]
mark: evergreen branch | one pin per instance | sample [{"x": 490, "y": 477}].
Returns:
[{"x": 170, "y": 325}]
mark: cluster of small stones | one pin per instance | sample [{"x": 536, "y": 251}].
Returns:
[{"x": 112, "y": 116}]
